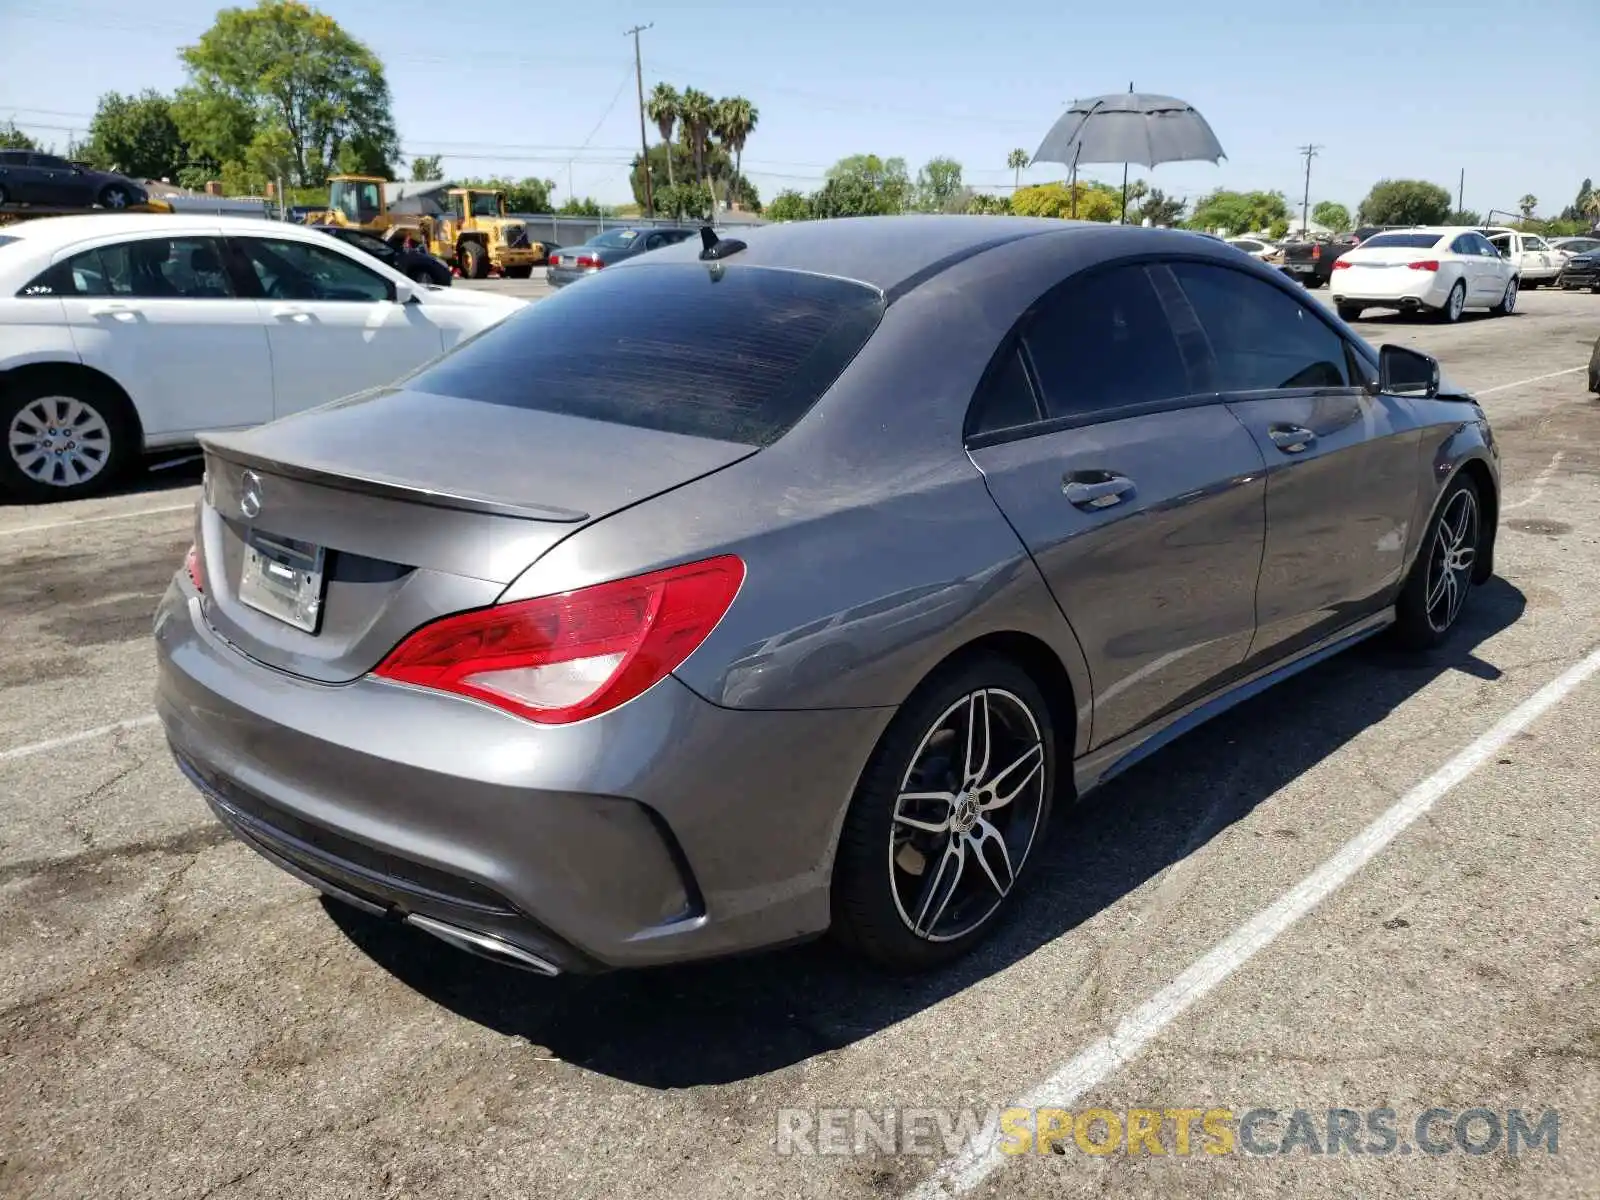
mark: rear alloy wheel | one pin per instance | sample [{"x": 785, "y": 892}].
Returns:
[
  {"x": 1455, "y": 305},
  {"x": 945, "y": 817},
  {"x": 1350, "y": 312},
  {"x": 1508, "y": 302},
  {"x": 1435, "y": 593},
  {"x": 61, "y": 445},
  {"x": 114, "y": 196}
]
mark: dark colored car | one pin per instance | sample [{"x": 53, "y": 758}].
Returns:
[
  {"x": 28, "y": 177},
  {"x": 417, "y": 265},
  {"x": 1581, "y": 271},
  {"x": 718, "y": 604},
  {"x": 608, "y": 248},
  {"x": 1594, "y": 367}
]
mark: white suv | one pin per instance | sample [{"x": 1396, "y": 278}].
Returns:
[{"x": 125, "y": 333}]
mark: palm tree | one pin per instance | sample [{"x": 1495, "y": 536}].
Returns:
[
  {"x": 662, "y": 108},
  {"x": 695, "y": 112},
  {"x": 1016, "y": 160},
  {"x": 1527, "y": 204},
  {"x": 1591, "y": 206},
  {"x": 736, "y": 119}
]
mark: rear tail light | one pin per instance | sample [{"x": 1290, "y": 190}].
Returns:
[
  {"x": 191, "y": 564},
  {"x": 1430, "y": 264},
  {"x": 562, "y": 658},
  {"x": 1339, "y": 264},
  {"x": 586, "y": 261},
  {"x": 1316, "y": 254}
]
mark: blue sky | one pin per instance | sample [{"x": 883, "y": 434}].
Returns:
[{"x": 1420, "y": 88}]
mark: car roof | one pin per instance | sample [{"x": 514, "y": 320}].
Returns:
[
  {"x": 64, "y": 231},
  {"x": 889, "y": 253}
]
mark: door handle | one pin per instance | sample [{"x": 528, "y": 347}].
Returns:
[
  {"x": 1094, "y": 490},
  {"x": 1292, "y": 439},
  {"x": 298, "y": 315},
  {"x": 120, "y": 312}
]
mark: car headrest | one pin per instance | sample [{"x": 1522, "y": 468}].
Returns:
[{"x": 203, "y": 260}]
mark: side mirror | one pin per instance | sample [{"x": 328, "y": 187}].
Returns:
[
  {"x": 1406, "y": 372},
  {"x": 405, "y": 292}
]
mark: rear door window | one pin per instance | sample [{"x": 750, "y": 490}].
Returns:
[
  {"x": 738, "y": 355},
  {"x": 184, "y": 268},
  {"x": 1262, "y": 338},
  {"x": 1102, "y": 344},
  {"x": 293, "y": 270}
]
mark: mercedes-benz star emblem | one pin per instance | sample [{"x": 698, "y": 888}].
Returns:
[{"x": 250, "y": 495}]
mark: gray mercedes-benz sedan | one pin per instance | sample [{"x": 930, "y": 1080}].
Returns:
[{"x": 753, "y": 591}]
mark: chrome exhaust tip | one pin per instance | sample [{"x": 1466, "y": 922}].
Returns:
[{"x": 484, "y": 945}]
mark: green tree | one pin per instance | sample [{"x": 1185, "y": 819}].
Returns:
[
  {"x": 522, "y": 195},
  {"x": 718, "y": 166},
  {"x": 1096, "y": 201},
  {"x": 1331, "y": 215},
  {"x": 136, "y": 135},
  {"x": 1579, "y": 207},
  {"x": 426, "y": 168},
  {"x": 1404, "y": 202},
  {"x": 938, "y": 187},
  {"x": 789, "y": 205},
  {"x": 696, "y": 111},
  {"x": 734, "y": 120},
  {"x": 1016, "y": 160},
  {"x": 1160, "y": 209},
  {"x": 1239, "y": 212},
  {"x": 586, "y": 207},
  {"x": 12, "y": 138},
  {"x": 859, "y": 174},
  {"x": 1527, "y": 204},
  {"x": 283, "y": 67},
  {"x": 983, "y": 204},
  {"x": 1463, "y": 216},
  {"x": 662, "y": 108}
]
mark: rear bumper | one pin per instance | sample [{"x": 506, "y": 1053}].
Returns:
[
  {"x": 666, "y": 830},
  {"x": 1421, "y": 290},
  {"x": 1579, "y": 279},
  {"x": 561, "y": 276}
]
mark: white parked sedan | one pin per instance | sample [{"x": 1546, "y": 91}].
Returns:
[
  {"x": 1440, "y": 270},
  {"x": 126, "y": 333}
]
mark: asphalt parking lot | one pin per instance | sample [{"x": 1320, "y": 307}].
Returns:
[{"x": 179, "y": 1019}]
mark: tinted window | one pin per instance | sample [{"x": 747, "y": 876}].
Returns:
[
  {"x": 1400, "y": 241},
  {"x": 1533, "y": 243},
  {"x": 1103, "y": 343},
  {"x": 1464, "y": 245},
  {"x": 13, "y": 158},
  {"x": 1005, "y": 398},
  {"x": 1261, "y": 337},
  {"x": 1485, "y": 246},
  {"x": 302, "y": 271},
  {"x": 739, "y": 355},
  {"x": 186, "y": 268},
  {"x": 49, "y": 162}
]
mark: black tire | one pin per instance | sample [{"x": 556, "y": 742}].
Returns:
[
  {"x": 877, "y": 897},
  {"x": 1451, "y": 312},
  {"x": 518, "y": 272},
  {"x": 1350, "y": 312},
  {"x": 1420, "y": 622},
  {"x": 118, "y": 450},
  {"x": 5, "y": 197},
  {"x": 421, "y": 275},
  {"x": 1508, "y": 301},
  {"x": 474, "y": 262},
  {"x": 114, "y": 195}
]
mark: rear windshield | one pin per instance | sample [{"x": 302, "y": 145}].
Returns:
[
  {"x": 738, "y": 355},
  {"x": 1400, "y": 241},
  {"x": 616, "y": 239}
]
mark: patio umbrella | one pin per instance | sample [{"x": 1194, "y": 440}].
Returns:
[{"x": 1128, "y": 127}]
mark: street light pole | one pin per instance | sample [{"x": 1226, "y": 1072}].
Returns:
[{"x": 644, "y": 145}]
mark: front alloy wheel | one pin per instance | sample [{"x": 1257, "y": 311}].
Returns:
[
  {"x": 59, "y": 442},
  {"x": 1451, "y": 556},
  {"x": 945, "y": 817}
]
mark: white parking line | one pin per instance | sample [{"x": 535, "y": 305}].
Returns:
[
  {"x": 1539, "y": 480},
  {"x": 116, "y": 516},
  {"x": 1506, "y": 387},
  {"x": 73, "y": 739},
  {"x": 1100, "y": 1059}
]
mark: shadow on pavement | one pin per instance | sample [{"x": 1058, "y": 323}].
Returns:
[
  {"x": 719, "y": 1022},
  {"x": 161, "y": 475}
]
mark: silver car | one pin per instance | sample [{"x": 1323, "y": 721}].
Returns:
[
  {"x": 570, "y": 263},
  {"x": 753, "y": 591}
]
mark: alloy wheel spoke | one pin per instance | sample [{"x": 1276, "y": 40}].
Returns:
[
  {"x": 982, "y": 836},
  {"x": 947, "y": 798},
  {"x": 1032, "y": 760},
  {"x": 976, "y": 765},
  {"x": 941, "y": 886}
]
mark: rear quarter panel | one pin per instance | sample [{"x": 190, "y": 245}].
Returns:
[{"x": 34, "y": 329}]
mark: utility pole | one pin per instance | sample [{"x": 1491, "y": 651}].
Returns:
[
  {"x": 1309, "y": 151},
  {"x": 644, "y": 145},
  {"x": 1461, "y": 192}
]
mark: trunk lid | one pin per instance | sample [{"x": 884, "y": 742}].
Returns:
[{"x": 419, "y": 505}]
